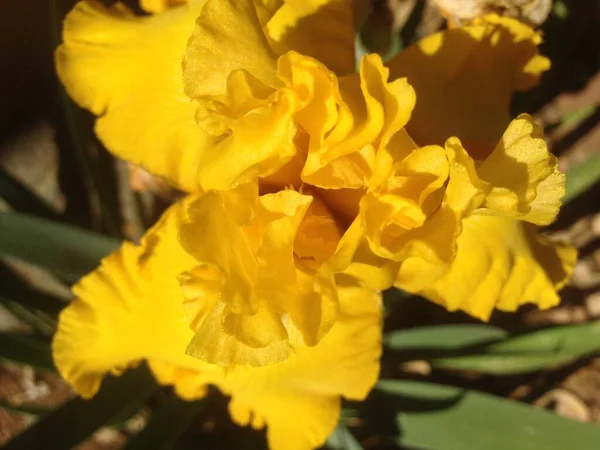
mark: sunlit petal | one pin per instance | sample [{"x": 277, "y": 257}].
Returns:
[
  {"x": 465, "y": 78},
  {"x": 126, "y": 69},
  {"x": 523, "y": 175},
  {"x": 323, "y": 29},
  {"x": 127, "y": 310},
  {"x": 501, "y": 263}
]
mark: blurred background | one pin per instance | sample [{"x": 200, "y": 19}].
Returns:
[{"x": 51, "y": 166}]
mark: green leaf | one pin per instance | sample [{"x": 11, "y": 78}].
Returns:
[
  {"x": 68, "y": 251},
  {"x": 22, "y": 199},
  {"x": 38, "y": 321},
  {"x": 80, "y": 140},
  {"x": 166, "y": 424},
  {"x": 581, "y": 177},
  {"x": 441, "y": 341},
  {"x": 15, "y": 289},
  {"x": 78, "y": 419},
  {"x": 444, "y": 337},
  {"x": 487, "y": 349},
  {"x": 437, "y": 417},
  {"x": 36, "y": 309},
  {"x": 37, "y": 411},
  {"x": 79, "y": 134},
  {"x": 576, "y": 117},
  {"x": 26, "y": 349},
  {"x": 342, "y": 439},
  {"x": 529, "y": 351}
]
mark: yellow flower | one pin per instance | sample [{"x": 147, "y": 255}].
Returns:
[
  {"x": 308, "y": 196},
  {"x": 133, "y": 308},
  {"x": 266, "y": 111},
  {"x": 407, "y": 202},
  {"x": 410, "y": 200}
]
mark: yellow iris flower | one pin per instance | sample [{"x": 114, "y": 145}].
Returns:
[
  {"x": 132, "y": 308},
  {"x": 311, "y": 188}
]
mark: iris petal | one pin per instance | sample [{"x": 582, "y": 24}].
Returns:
[{"x": 127, "y": 70}]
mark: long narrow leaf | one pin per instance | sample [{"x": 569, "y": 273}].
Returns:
[
  {"x": 34, "y": 308},
  {"x": 94, "y": 180},
  {"x": 529, "y": 351},
  {"x": 79, "y": 135},
  {"x": 582, "y": 176},
  {"x": 65, "y": 250},
  {"x": 22, "y": 199},
  {"x": 166, "y": 424},
  {"x": 17, "y": 290},
  {"x": 437, "y": 417},
  {"x": 342, "y": 439},
  {"x": 486, "y": 349},
  {"x": 79, "y": 418},
  {"x": 26, "y": 350},
  {"x": 38, "y": 321},
  {"x": 445, "y": 337}
]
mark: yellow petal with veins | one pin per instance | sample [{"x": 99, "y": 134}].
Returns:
[
  {"x": 371, "y": 111},
  {"x": 523, "y": 175},
  {"x": 259, "y": 144},
  {"x": 465, "y": 77},
  {"x": 188, "y": 384},
  {"x": 412, "y": 191},
  {"x": 417, "y": 202},
  {"x": 128, "y": 309},
  {"x": 228, "y": 36},
  {"x": 225, "y": 339},
  {"x": 323, "y": 29},
  {"x": 355, "y": 259},
  {"x": 305, "y": 385},
  {"x": 500, "y": 264},
  {"x": 252, "y": 261},
  {"x": 310, "y": 122},
  {"x": 127, "y": 70}
]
